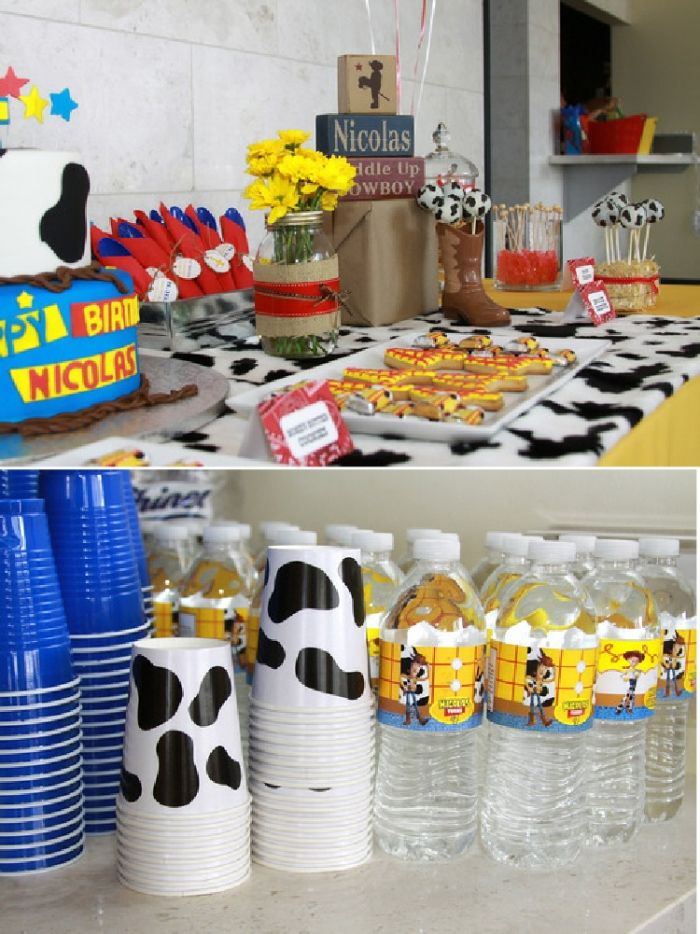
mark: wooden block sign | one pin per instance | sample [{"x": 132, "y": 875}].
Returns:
[
  {"x": 364, "y": 135},
  {"x": 367, "y": 84},
  {"x": 381, "y": 178}
]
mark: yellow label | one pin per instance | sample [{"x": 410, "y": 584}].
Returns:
[
  {"x": 210, "y": 622},
  {"x": 69, "y": 377},
  {"x": 31, "y": 329},
  {"x": 627, "y": 678},
  {"x": 678, "y": 665},
  {"x": 430, "y": 687},
  {"x": 540, "y": 689}
]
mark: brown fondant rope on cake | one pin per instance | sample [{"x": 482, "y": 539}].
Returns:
[
  {"x": 61, "y": 279},
  {"x": 74, "y": 421}
]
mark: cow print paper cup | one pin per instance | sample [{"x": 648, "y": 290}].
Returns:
[
  {"x": 312, "y": 651},
  {"x": 183, "y": 812},
  {"x": 311, "y": 726}
]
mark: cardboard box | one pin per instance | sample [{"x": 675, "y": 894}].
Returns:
[
  {"x": 365, "y": 135},
  {"x": 367, "y": 84},
  {"x": 388, "y": 260},
  {"x": 391, "y": 177}
]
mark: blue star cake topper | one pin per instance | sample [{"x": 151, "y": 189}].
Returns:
[{"x": 62, "y": 104}]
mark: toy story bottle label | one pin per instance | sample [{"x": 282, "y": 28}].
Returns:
[
  {"x": 378, "y": 588},
  {"x": 430, "y": 688},
  {"x": 541, "y": 689},
  {"x": 678, "y": 664},
  {"x": 626, "y": 683}
]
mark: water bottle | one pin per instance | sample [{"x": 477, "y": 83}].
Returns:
[
  {"x": 493, "y": 556},
  {"x": 625, "y": 692},
  {"x": 541, "y": 672},
  {"x": 585, "y": 545},
  {"x": 169, "y": 562},
  {"x": 380, "y": 577},
  {"x": 406, "y": 560},
  {"x": 667, "y": 730},
  {"x": 513, "y": 565},
  {"x": 429, "y": 703},
  {"x": 273, "y": 534}
]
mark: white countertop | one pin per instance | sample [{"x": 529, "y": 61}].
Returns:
[{"x": 648, "y": 886}]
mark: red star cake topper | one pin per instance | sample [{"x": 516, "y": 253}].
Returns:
[{"x": 11, "y": 84}]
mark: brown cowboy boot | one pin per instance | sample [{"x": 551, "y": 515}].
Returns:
[{"x": 464, "y": 296}]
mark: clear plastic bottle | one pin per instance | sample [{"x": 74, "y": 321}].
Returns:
[
  {"x": 493, "y": 556},
  {"x": 407, "y": 559},
  {"x": 514, "y": 563},
  {"x": 380, "y": 578},
  {"x": 540, "y": 706},
  {"x": 216, "y": 594},
  {"x": 585, "y": 546},
  {"x": 276, "y": 534},
  {"x": 264, "y": 529},
  {"x": 630, "y": 649},
  {"x": 667, "y": 730},
  {"x": 170, "y": 561},
  {"x": 429, "y": 702}
]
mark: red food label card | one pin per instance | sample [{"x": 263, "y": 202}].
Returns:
[
  {"x": 304, "y": 426},
  {"x": 597, "y": 302},
  {"x": 582, "y": 271}
]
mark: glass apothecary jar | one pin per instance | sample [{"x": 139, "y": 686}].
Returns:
[
  {"x": 297, "y": 288},
  {"x": 527, "y": 247}
]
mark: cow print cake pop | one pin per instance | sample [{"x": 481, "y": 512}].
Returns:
[
  {"x": 655, "y": 210},
  {"x": 477, "y": 204},
  {"x": 430, "y": 197},
  {"x": 633, "y": 216},
  {"x": 605, "y": 213},
  {"x": 450, "y": 211}
]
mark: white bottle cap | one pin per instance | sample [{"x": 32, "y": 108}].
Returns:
[
  {"x": 372, "y": 541},
  {"x": 584, "y": 543},
  {"x": 266, "y": 526},
  {"x": 616, "y": 549},
  {"x": 533, "y": 538},
  {"x": 221, "y": 534},
  {"x": 659, "y": 547},
  {"x": 514, "y": 544},
  {"x": 413, "y": 535},
  {"x": 543, "y": 552},
  {"x": 338, "y": 534},
  {"x": 243, "y": 526},
  {"x": 291, "y": 537},
  {"x": 436, "y": 549},
  {"x": 172, "y": 532},
  {"x": 493, "y": 540}
]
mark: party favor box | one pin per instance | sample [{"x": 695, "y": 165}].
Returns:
[
  {"x": 367, "y": 84},
  {"x": 387, "y": 255}
]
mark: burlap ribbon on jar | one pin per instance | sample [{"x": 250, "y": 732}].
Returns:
[{"x": 297, "y": 299}]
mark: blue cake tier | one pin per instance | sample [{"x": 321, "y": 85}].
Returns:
[{"x": 64, "y": 351}]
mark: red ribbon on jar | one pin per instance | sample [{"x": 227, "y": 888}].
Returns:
[
  {"x": 297, "y": 300},
  {"x": 652, "y": 281}
]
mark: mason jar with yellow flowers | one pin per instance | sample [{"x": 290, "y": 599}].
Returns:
[{"x": 295, "y": 274}]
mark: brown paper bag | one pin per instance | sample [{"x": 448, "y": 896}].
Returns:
[{"x": 388, "y": 260}]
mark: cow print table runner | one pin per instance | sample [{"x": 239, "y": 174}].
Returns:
[{"x": 651, "y": 357}]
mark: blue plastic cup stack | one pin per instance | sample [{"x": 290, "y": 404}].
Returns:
[
  {"x": 19, "y": 484},
  {"x": 103, "y": 602},
  {"x": 41, "y": 785},
  {"x": 132, "y": 518}
]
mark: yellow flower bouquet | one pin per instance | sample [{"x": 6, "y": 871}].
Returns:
[{"x": 296, "y": 284}]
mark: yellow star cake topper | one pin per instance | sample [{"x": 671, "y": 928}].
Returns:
[
  {"x": 25, "y": 300},
  {"x": 34, "y": 104}
]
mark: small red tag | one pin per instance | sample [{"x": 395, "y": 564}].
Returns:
[
  {"x": 597, "y": 302},
  {"x": 582, "y": 271},
  {"x": 304, "y": 426}
]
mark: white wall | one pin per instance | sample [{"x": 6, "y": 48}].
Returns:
[
  {"x": 172, "y": 91},
  {"x": 469, "y": 502}
]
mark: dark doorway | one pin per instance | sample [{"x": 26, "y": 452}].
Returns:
[{"x": 585, "y": 57}]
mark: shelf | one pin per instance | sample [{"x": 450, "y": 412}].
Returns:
[{"x": 587, "y": 178}]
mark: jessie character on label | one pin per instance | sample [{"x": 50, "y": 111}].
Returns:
[
  {"x": 239, "y": 640},
  {"x": 540, "y": 675},
  {"x": 414, "y": 670},
  {"x": 633, "y": 658},
  {"x": 673, "y": 664}
]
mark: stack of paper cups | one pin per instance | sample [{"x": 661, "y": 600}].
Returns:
[
  {"x": 183, "y": 812},
  {"x": 311, "y": 714},
  {"x": 41, "y": 788},
  {"x": 104, "y": 608},
  {"x": 19, "y": 484}
]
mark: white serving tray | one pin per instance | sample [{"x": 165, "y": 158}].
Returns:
[
  {"x": 421, "y": 429},
  {"x": 159, "y": 454}
]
